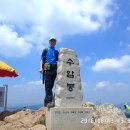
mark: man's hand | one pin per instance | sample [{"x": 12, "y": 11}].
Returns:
[{"x": 41, "y": 70}]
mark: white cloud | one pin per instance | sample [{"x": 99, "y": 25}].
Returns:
[
  {"x": 30, "y": 84},
  {"x": 35, "y": 82},
  {"x": 121, "y": 64},
  {"x": 121, "y": 43},
  {"x": 22, "y": 79},
  {"x": 108, "y": 84},
  {"x": 34, "y": 21},
  {"x": 129, "y": 46},
  {"x": 29, "y": 93},
  {"x": 128, "y": 28},
  {"x": 103, "y": 84},
  {"x": 84, "y": 60},
  {"x": 124, "y": 44},
  {"x": 11, "y": 44}
]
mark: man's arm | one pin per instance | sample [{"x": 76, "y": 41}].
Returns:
[
  {"x": 41, "y": 64},
  {"x": 43, "y": 58}
]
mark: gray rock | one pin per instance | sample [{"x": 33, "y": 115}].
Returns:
[
  {"x": 68, "y": 83},
  {"x": 67, "y": 51}
]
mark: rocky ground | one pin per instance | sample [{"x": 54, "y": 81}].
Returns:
[
  {"x": 24, "y": 120},
  {"x": 108, "y": 117},
  {"x": 105, "y": 117}
]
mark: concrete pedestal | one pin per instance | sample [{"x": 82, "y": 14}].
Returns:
[{"x": 68, "y": 118}]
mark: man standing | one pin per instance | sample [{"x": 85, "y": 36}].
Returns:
[{"x": 48, "y": 68}]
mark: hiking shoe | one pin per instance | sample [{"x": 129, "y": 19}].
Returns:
[{"x": 50, "y": 104}]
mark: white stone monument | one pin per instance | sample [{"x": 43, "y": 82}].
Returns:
[{"x": 68, "y": 112}]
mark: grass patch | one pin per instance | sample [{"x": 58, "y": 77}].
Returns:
[{"x": 42, "y": 121}]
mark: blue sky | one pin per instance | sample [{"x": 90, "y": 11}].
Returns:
[{"x": 99, "y": 31}]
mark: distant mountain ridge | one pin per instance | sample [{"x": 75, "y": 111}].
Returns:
[{"x": 31, "y": 107}]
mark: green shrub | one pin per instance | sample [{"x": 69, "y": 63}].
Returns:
[{"x": 42, "y": 121}]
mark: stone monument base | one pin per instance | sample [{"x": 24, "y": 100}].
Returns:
[{"x": 68, "y": 118}]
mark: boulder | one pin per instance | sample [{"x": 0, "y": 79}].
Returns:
[
  {"x": 109, "y": 117},
  {"x": 22, "y": 120},
  {"x": 17, "y": 116},
  {"x": 88, "y": 104}
]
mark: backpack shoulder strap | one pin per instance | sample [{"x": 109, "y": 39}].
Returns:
[
  {"x": 56, "y": 54},
  {"x": 44, "y": 53}
]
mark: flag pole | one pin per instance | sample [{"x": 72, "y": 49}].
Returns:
[{"x": 6, "y": 96}]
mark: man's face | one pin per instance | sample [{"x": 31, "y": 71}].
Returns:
[{"x": 52, "y": 43}]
